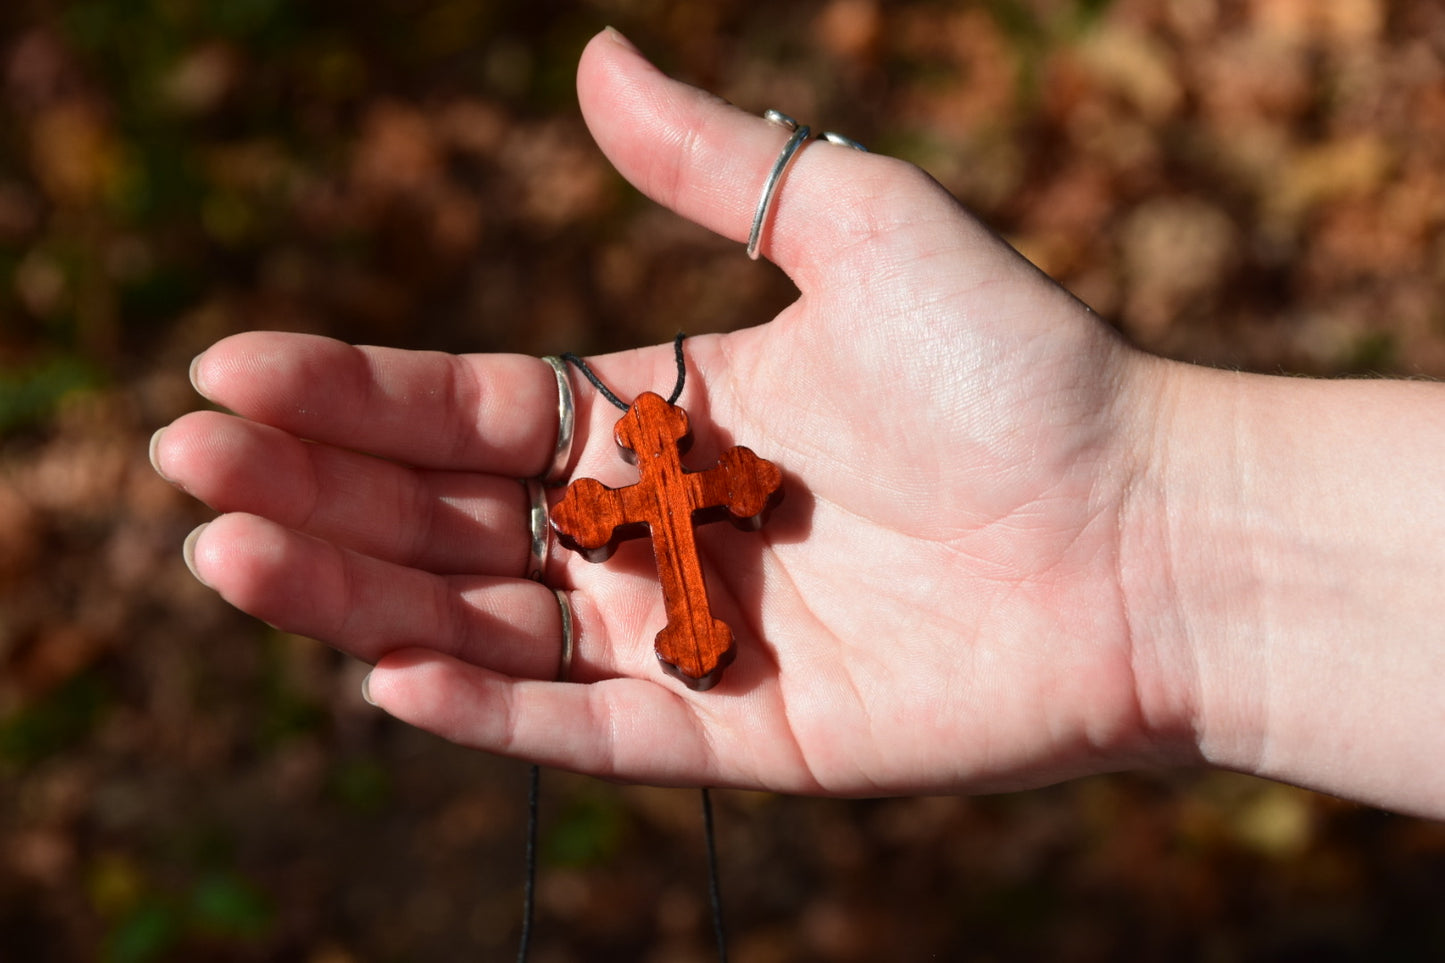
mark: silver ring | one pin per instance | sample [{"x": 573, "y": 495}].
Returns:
[
  {"x": 569, "y": 639},
  {"x": 541, "y": 528},
  {"x": 801, "y": 133},
  {"x": 836, "y": 138},
  {"x": 566, "y": 422}
]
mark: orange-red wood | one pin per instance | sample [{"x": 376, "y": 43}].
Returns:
[{"x": 592, "y": 518}]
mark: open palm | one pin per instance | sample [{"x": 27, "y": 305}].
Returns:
[{"x": 935, "y": 605}]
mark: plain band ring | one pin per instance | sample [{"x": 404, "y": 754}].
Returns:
[
  {"x": 833, "y": 137},
  {"x": 541, "y": 529},
  {"x": 566, "y": 423},
  {"x": 801, "y": 133},
  {"x": 569, "y": 638}
]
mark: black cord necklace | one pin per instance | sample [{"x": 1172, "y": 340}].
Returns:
[
  {"x": 529, "y": 891},
  {"x": 606, "y": 392}
]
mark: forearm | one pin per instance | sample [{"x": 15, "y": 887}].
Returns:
[{"x": 1286, "y": 570}]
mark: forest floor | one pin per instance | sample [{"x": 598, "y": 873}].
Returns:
[{"x": 1246, "y": 183}]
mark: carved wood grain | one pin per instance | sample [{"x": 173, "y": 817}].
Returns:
[{"x": 591, "y": 518}]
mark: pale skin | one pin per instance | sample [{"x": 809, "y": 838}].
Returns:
[{"x": 1013, "y": 549}]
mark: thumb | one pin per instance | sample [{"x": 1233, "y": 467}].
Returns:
[{"x": 709, "y": 161}]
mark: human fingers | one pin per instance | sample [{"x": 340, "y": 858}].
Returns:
[
  {"x": 369, "y": 607},
  {"x": 439, "y": 521},
  {"x": 709, "y": 161},
  {"x": 495, "y": 413}
]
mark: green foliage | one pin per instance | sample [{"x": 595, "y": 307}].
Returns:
[
  {"x": 148, "y": 933},
  {"x": 221, "y": 908},
  {"x": 1088, "y": 12},
  {"x": 287, "y": 716},
  {"x": 1022, "y": 21},
  {"x": 28, "y": 396},
  {"x": 588, "y": 832},
  {"x": 288, "y": 711},
  {"x": 161, "y": 293},
  {"x": 154, "y": 25},
  {"x": 224, "y": 906},
  {"x": 362, "y": 785},
  {"x": 1373, "y": 352},
  {"x": 54, "y": 724},
  {"x": 1034, "y": 35}
]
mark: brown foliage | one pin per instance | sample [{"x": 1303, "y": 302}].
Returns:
[{"x": 1244, "y": 182}]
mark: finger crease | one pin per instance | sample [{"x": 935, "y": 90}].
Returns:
[
  {"x": 348, "y": 594},
  {"x": 312, "y": 487},
  {"x": 423, "y": 516},
  {"x": 465, "y": 414},
  {"x": 453, "y": 616}
]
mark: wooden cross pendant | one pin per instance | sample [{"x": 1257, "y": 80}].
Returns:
[{"x": 592, "y": 518}]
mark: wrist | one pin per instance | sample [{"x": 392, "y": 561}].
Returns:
[
  {"x": 1280, "y": 565},
  {"x": 1187, "y": 575}
]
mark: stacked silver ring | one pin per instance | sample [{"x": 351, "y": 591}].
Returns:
[
  {"x": 566, "y": 423},
  {"x": 801, "y": 132},
  {"x": 539, "y": 524},
  {"x": 800, "y": 135},
  {"x": 541, "y": 528}
]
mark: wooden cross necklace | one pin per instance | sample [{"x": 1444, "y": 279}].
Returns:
[{"x": 666, "y": 502}]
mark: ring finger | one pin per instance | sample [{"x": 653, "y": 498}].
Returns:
[{"x": 369, "y": 607}]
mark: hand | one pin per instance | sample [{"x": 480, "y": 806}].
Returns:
[{"x": 935, "y": 606}]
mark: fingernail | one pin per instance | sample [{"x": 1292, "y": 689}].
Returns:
[
  {"x": 617, "y": 37},
  {"x": 188, "y": 552},
  {"x": 154, "y": 453},
  {"x": 195, "y": 374},
  {"x": 366, "y": 690}
]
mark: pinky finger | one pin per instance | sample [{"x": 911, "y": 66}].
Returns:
[{"x": 627, "y": 729}]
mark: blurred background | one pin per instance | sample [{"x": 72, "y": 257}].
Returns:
[{"x": 1252, "y": 183}]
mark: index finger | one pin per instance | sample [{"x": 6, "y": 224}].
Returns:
[{"x": 483, "y": 412}]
